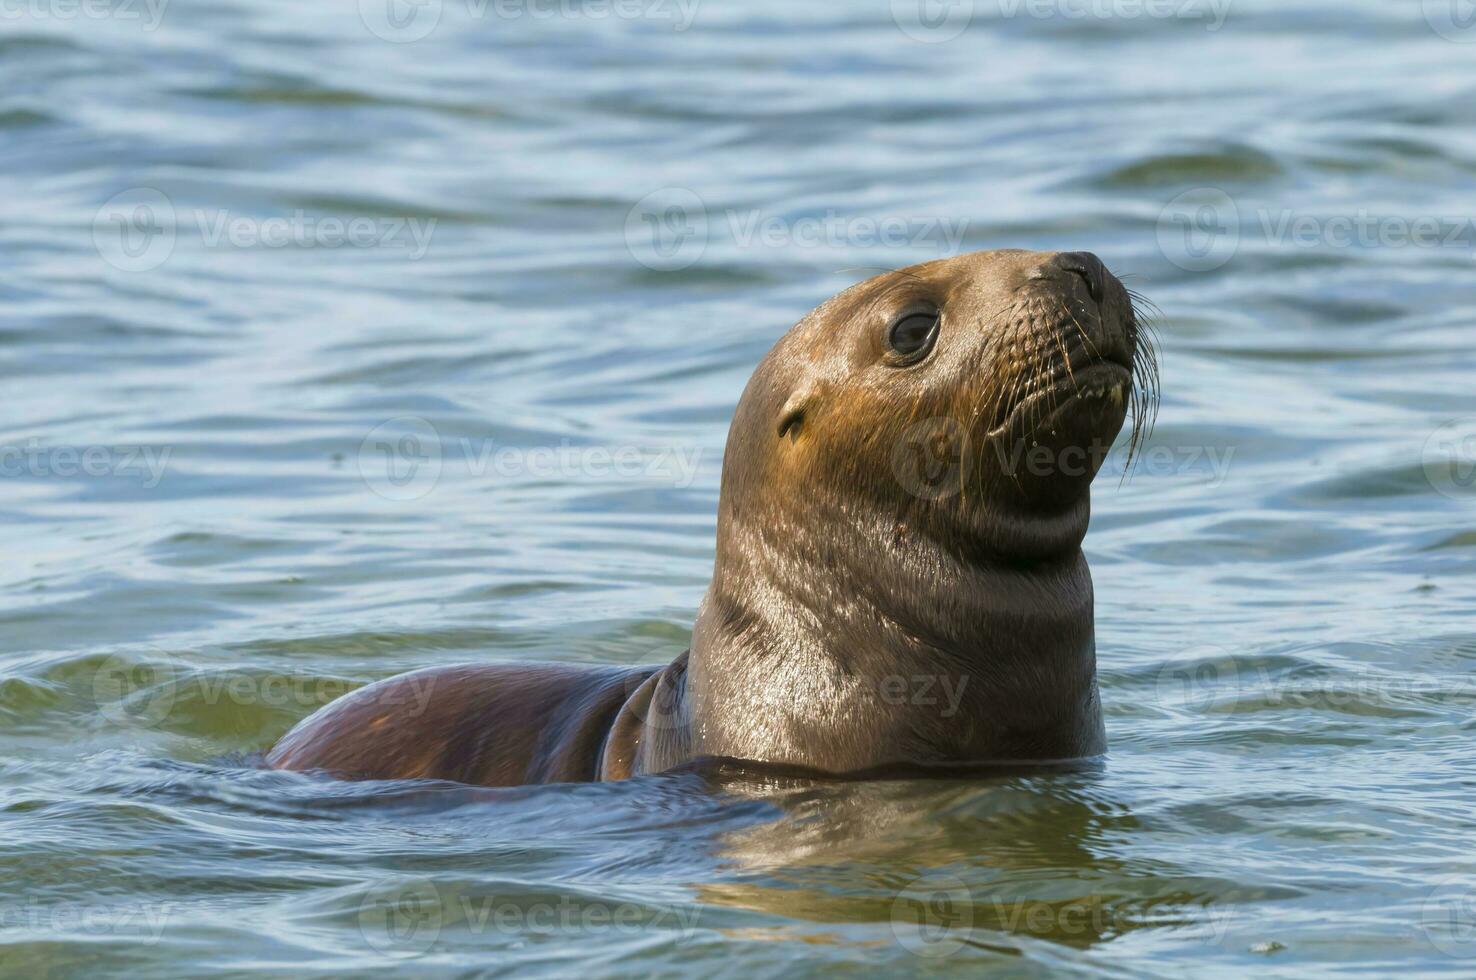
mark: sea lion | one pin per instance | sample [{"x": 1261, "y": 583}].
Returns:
[{"x": 899, "y": 581}]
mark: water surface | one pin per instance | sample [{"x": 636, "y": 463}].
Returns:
[{"x": 336, "y": 345}]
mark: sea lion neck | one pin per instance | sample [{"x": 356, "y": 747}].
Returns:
[
  {"x": 839, "y": 579},
  {"x": 914, "y": 654}
]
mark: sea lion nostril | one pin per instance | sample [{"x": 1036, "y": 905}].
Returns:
[
  {"x": 1091, "y": 286},
  {"x": 1089, "y": 267}
]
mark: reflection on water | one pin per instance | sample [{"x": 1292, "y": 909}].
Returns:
[{"x": 340, "y": 340}]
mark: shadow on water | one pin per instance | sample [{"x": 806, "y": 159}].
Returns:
[
  {"x": 749, "y": 852},
  {"x": 935, "y": 860}
]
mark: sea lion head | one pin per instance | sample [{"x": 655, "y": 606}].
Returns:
[
  {"x": 968, "y": 400},
  {"x": 905, "y": 492}
]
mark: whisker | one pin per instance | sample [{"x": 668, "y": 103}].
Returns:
[{"x": 1146, "y": 379}]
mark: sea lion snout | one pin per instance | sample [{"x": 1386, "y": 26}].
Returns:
[
  {"x": 1084, "y": 265},
  {"x": 1098, "y": 321}
]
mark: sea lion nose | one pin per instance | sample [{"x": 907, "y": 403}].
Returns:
[{"x": 1084, "y": 264}]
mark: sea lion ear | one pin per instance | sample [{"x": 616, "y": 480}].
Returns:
[{"x": 792, "y": 416}]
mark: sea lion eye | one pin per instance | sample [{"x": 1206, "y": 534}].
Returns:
[{"x": 913, "y": 334}]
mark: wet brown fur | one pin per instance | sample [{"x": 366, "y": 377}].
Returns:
[{"x": 844, "y": 574}]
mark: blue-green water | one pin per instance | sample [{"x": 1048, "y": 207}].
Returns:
[{"x": 340, "y": 339}]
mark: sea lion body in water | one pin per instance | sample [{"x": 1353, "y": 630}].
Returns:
[{"x": 899, "y": 581}]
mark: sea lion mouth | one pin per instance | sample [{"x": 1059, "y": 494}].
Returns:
[{"x": 1099, "y": 385}]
